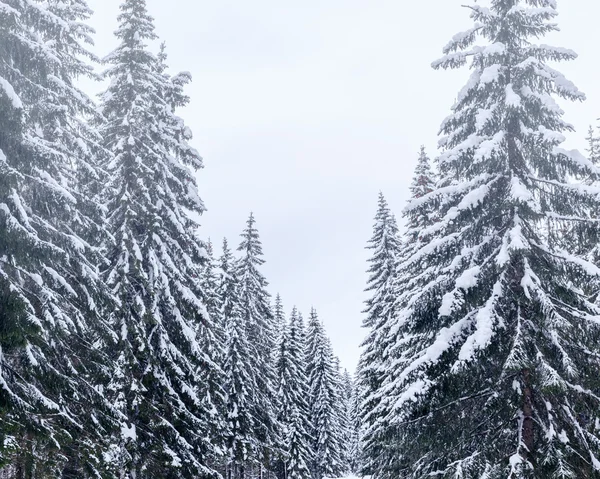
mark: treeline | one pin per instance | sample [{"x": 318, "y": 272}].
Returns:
[
  {"x": 126, "y": 350},
  {"x": 483, "y": 346}
]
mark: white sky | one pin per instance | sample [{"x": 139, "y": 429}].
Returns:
[{"x": 304, "y": 110}]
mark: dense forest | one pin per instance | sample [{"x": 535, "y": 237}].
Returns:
[
  {"x": 126, "y": 348},
  {"x": 129, "y": 349}
]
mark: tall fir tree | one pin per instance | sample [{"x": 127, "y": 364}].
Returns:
[
  {"x": 165, "y": 332},
  {"x": 499, "y": 341},
  {"x": 387, "y": 249},
  {"x": 323, "y": 397},
  {"x": 260, "y": 328},
  {"x": 52, "y": 417}
]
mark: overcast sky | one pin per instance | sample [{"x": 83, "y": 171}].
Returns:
[{"x": 305, "y": 110}]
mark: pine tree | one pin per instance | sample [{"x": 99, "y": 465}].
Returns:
[
  {"x": 52, "y": 417},
  {"x": 499, "y": 343},
  {"x": 165, "y": 333},
  {"x": 326, "y": 432},
  {"x": 387, "y": 249},
  {"x": 260, "y": 329}
]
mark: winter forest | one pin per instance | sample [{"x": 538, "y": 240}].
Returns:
[{"x": 130, "y": 349}]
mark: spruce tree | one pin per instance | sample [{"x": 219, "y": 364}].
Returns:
[
  {"x": 423, "y": 183},
  {"x": 376, "y": 401},
  {"x": 387, "y": 249},
  {"x": 279, "y": 320},
  {"x": 52, "y": 417},
  {"x": 323, "y": 400},
  {"x": 593, "y": 148},
  {"x": 347, "y": 418},
  {"x": 293, "y": 411},
  {"x": 240, "y": 377},
  {"x": 499, "y": 343},
  {"x": 355, "y": 452},
  {"x": 260, "y": 329},
  {"x": 165, "y": 332}
]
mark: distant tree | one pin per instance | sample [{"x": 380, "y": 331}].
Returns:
[
  {"x": 292, "y": 388},
  {"x": 242, "y": 445},
  {"x": 323, "y": 397},
  {"x": 259, "y": 322}
]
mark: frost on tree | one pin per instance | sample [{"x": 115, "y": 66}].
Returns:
[
  {"x": 52, "y": 419},
  {"x": 164, "y": 382},
  {"x": 497, "y": 371}
]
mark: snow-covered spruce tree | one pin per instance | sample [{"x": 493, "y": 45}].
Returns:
[
  {"x": 298, "y": 442},
  {"x": 387, "y": 249},
  {"x": 323, "y": 397},
  {"x": 240, "y": 377},
  {"x": 213, "y": 341},
  {"x": 341, "y": 410},
  {"x": 422, "y": 184},
  {"x": 497, "y": 375},
  {"x": 155, "y": 264},
  {"x": 418, "y": 216},
  {"x": 279, "y": 320},
  {"x": 210, "y": 285},
  {"x": 260, "y": 328},
  {"x": 292, "y": 387},
  {"x": 52, "y": 418},
  {"x": 354, "y": 446},
  {"x": 593, "y": 148},
  {"x": 346, "y": 417}
]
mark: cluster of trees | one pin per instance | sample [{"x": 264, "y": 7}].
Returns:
[
  {"x": 483, "y": 345},
  {"x": 126, "y": 349}
]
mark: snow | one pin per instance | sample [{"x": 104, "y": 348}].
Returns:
[
  {"x": 484, "y": 115},
  {"x": 129, "y": 432},
  {"x": 460, "y": 38},
  {"x": 490, "y": 74},
  {"x": 11, "y": 94},
  {"x": 488, "y": 147},
  {"x": 55, "y": 186},
  {"x": 512, "y": 99},
  {"x": 519, "y": 192},
  {"x": 60, "y": 280},
  {"x": 484, "y": 328}
]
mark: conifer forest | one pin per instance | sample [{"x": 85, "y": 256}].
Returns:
[{"x": 133, "y": 347}]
